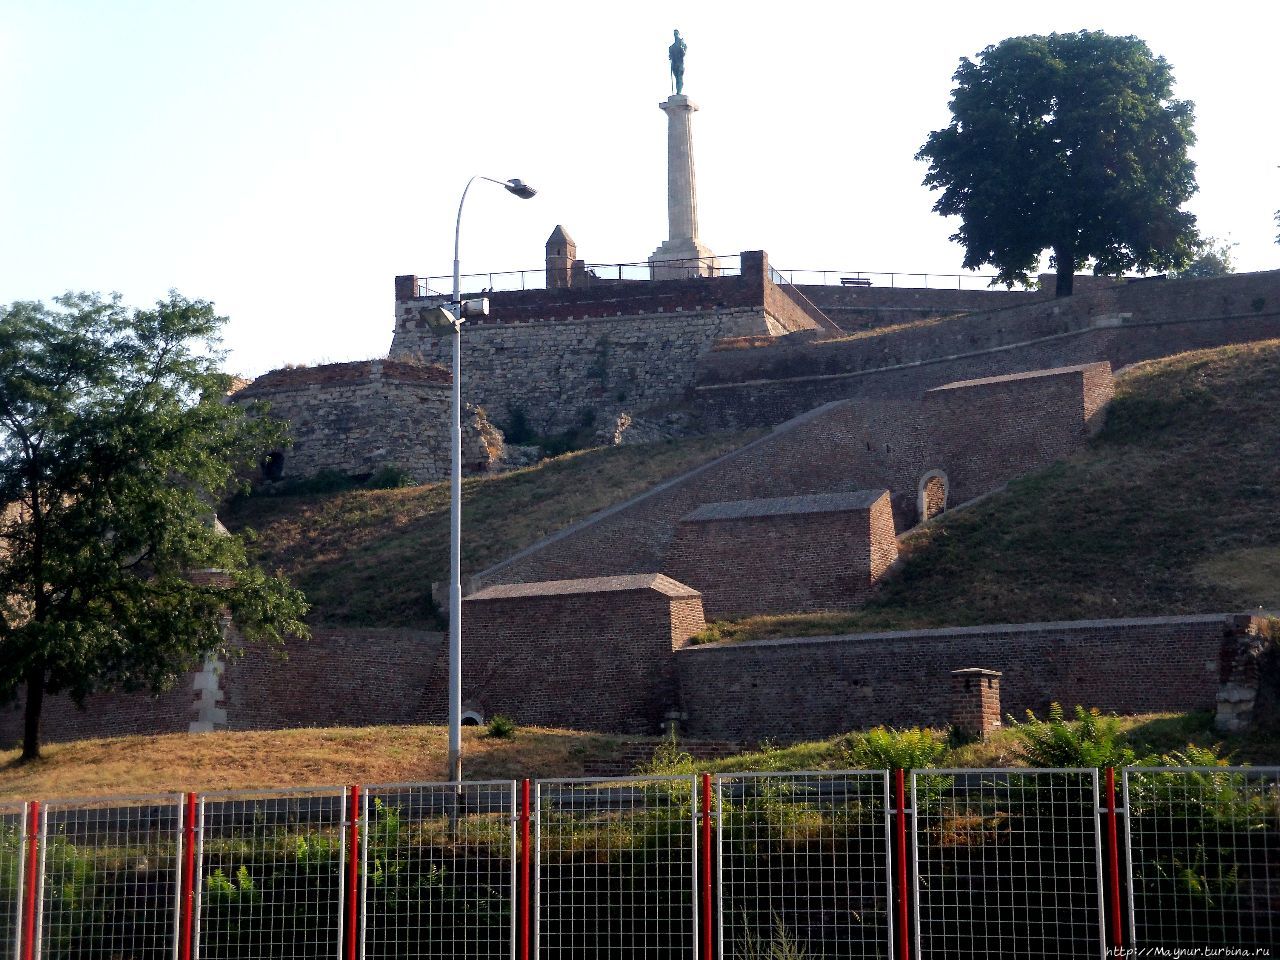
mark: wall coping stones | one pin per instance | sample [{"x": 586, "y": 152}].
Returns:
[
  {"x": 546, "y": 588},
  {"x": 779, "y": 506},
  {"x": 1026, "y": 375},
  {"x": 937, "y": 633},
  {"x": 356, "y": 371}
]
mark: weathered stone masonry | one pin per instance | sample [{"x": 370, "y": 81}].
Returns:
[
  {"x": 356, "y": 418},
  {"x": 569, "y": 356}
]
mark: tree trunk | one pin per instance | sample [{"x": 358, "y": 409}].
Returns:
[
  {"x": 31, "y": 714},
  {"x": 1065, "y": 259}
]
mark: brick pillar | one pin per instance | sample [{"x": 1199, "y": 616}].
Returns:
[
  {"x": 975, "y": 702},
  {"x": 406, "y": 288}
]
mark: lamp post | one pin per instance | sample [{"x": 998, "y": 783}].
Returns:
[{"x": 441, "y": 321}]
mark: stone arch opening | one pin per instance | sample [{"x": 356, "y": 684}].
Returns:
[
  {"x": 932, "y": 495},
  {"x": 471, "y": 718}
]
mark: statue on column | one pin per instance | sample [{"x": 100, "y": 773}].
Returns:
[{"x": 676, "y": 53}]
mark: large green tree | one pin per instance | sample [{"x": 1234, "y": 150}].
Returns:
[
  {"x": 1072, "y": 143},
  {"x": 116, "y": 442}
]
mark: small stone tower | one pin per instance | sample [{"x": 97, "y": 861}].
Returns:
[{"x": 561, "y": 252}]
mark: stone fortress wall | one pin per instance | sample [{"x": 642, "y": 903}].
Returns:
[
  {"x": 356, "y": 418},
  {"x": 586, "y": 354}
]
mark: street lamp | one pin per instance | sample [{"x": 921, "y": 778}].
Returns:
[{"x": 442, "y": 321}]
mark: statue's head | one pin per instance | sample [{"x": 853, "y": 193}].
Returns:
[{"x": 677, "y": 33}]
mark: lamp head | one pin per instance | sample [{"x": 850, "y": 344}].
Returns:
[
  {"x": 440, "y": 321},
  {"x": 520, "y": 189}
]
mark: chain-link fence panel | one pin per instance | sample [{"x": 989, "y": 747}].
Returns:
[
  {"x": 803, "y": 864},
  {"x": 438, "y": 874},
  {"x": 109, "y": 879},
  {"x": 269, "y": 874},
  {"x": 13, "y": 848},
  {"x": 616, "y": 868},
  {"x": 1008, "y": 863},
  {"x": 1203, "y": 852}
]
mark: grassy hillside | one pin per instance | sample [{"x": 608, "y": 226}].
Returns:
[
  {"x": 368, "y": 557},
  {"x": 1172, "y": 509},
  {"x": 369, "y": 755}
]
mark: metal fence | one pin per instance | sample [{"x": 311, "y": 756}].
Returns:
[
  {"x": 13, "y": 841},
  {"x": 744, "y": 866},
  {"x": 439, "y": 870},
  {"x": 1007, "y": 863},
  {"x": 269, "y": 876},
  {"x": 1203, "y": 851},
  {"x": 615, "y": 868},
  {"x": 803, "y": 864}
]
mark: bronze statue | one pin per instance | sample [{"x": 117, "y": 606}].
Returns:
[{"x": 676, "y": 53}]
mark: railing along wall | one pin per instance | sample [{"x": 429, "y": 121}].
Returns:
[{"x": 740, "y": 866}]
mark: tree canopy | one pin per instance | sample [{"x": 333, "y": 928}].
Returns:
[
  {"x": 1071, "y": 143},
  {"x": 1211, "y": 257},
  {"x": 116, "y": 444}
]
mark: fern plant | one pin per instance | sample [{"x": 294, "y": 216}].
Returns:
[
  {"x": 884, "y": 748},
  {"x": 1090, "y": 740}
]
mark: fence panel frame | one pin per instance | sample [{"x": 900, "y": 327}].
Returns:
[
  {"x": 339, "y": 793},
  {"x": 690, "y": 779},
  {"x": 109, "y": 802},
  {"x": 20, "y": 813},
  {"x": 1130, "y": 884},
  {"x": 370, "y": 792},
  {"x": 1095, "y": 815},
  {"x": 883, "y": 776}
]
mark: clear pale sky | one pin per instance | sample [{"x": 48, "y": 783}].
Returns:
[{"x": 287, "y": 159}]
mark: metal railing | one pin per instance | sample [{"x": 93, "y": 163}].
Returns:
[
  {"x": 892, "y": 279},
  {"x": 740, "y": 866},
  {"x": 726, "y": 266}
]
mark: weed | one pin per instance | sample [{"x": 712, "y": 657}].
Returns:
[
  {"x": 501, "y": 727},
  {"x": 1091, "y": 740}
]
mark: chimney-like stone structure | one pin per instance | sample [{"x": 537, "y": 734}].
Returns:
[
  {"x": 975, "y": 702},
  {"x": 561, "y": 252},
  {"x": 682, "y": 254}
]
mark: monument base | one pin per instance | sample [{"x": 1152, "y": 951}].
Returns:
[{"x": 678, "y": 259}]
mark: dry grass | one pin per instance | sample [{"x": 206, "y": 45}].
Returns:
[
  {"x": 293, "y": 758},
  {"x": 1171, "y": 510},
  {"x": 368, "y": 557}
]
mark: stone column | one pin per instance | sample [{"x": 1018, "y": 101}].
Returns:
[
  {"x": 975, "y": 702},
  {"x": 682, "y": 242}
]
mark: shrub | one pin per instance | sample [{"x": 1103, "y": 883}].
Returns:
[
  {"x": 884, "y": 748},
  {"x": 668, "y": 759},
  {"x": 389, "y": 478},
  {"x": 501, "y": 727},
  {"x": 1091, "y": 740}
]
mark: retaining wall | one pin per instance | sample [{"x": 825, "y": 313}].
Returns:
[{"x": 815, "y": 687}]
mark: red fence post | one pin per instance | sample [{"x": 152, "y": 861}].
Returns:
[
  {"x": 353, "y": 870},
  {"x": 904, "y": 934},
  {"x": 526, "y": 862},
  {"x": 707, "y": 937},
  {"x": 187, "y": 900},
  {"x": 33, "y": 871},
  {"x": 1113, "y": 864}
]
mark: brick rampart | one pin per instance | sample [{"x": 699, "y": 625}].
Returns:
[
  {"x": 338, "y": 677},
  {"x": 357, "y": 418},
  {"x": 593, "y": 653},
  {"x": 815, "y": 687},
  {"x": 865, "y": 308},
  {"x": 1000, "y": 430},
  {"x": 818, "y": 552}
]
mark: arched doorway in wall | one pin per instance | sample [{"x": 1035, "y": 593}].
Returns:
[{"x": 932, "y": 495}]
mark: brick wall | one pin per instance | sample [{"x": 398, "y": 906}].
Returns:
[
  {"x": 981, "y": 435},
  {"x": 593, "y": 654},
  {"x": 356, "y": 418},
  {"x": 817, "y": 552},
  {"x": 864, "y": 308},
  {"x": 339, "y": 677},
  {"x": 820, "y": 686}
]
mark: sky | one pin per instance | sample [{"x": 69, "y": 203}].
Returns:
[{"x": 286, "y": 160}]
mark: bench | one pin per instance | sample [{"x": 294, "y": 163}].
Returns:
[{"x": 854, "y": 282}]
